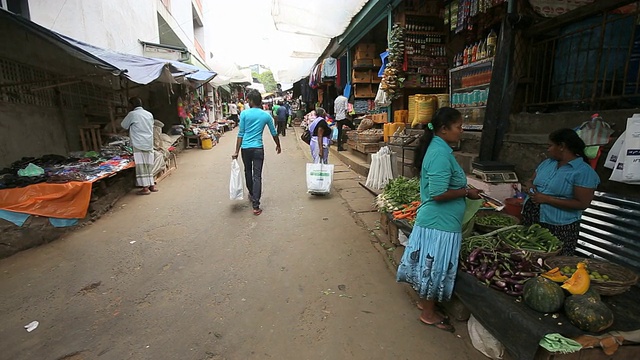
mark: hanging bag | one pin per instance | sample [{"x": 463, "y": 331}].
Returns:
[
  {"x": 306, "y": 137},
  {"x": 319, "y": 178},
  {"x": 236, "y": 190}
]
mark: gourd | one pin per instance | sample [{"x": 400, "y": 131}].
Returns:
[
  {"x": 555, "y": 275},
  {"x": 543, "y": 295},
  {"x": 588, "y": 313},
  {"x": 579, "y": 282}
]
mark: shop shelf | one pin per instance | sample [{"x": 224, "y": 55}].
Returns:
[
  {"x": 468, "y": 88},
  {"x": 476, "y": 64},
  {"x": 471, "y": 108}
]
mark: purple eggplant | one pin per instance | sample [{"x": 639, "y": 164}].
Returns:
[
  {"x": 500, "y": 283},
  {"x": 518, "y": 287},
  {"x": 489, "y": 274},
  {"x": 497, "y": 288},
  {"x": 474, "y": 254},
  {"x": 513, "y": 293},
  {"x": 513, "y": 281},
  {"x": 506, "y": 273},
  {"x": 527, "y": 274}
]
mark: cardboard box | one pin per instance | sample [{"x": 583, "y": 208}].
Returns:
[
  {"x": 363, "y": 91},
  {"x": 377, "y": 61},
  {"x": 364, "y": 55},
  {"x": 365, "y": 47},
  {"x": 360, "y": 76},
  {"x": 363, "y": 63}
]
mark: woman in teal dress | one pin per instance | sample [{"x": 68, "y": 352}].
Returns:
[{"x": 430, "y": 261}]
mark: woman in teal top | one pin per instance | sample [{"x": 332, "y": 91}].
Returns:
[
  {"x": 430, "y": 261},
  {"x": 561, "y": 188}
]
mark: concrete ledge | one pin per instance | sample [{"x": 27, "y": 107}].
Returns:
[
  {"x": 351, "y": 161},
  {"x": 536, "y": 139}
]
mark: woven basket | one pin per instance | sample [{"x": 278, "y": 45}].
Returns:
[
  {"x": 621, "y": 278},
  {"x": 369, "y": 137},
  {"x": 352, "y": 135}
]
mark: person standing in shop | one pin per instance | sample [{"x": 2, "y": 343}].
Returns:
[
  {"x": 340, "y": 106},
  {"x": 281, "y": 115},
  {"x": 233, "y": 110},
  {"x": 252, "y": 124},
  {"x": 140, "y": 122}
]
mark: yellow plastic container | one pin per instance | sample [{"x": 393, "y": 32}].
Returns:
[
  {"x": 385, "y": 132},
  {"x": 207, "y": 144}
]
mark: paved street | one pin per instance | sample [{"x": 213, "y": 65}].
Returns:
[{"x": 187, "y": 274}]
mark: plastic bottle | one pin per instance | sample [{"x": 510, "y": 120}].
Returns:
[
  {"x": 465, "y": 57},
  {"x": 474, "y": 53},
  {"x": 492, "y": 43}
]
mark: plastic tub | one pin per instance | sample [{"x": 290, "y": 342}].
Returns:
[
  {"x": 513, "y": 207},
  {"x": 207, "y": 144}
]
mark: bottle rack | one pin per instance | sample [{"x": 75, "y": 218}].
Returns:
[{"x": 426, "y": 55}]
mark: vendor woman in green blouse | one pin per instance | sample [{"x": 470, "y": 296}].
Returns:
[
  {"x": 561, "y": 188},
  {"x": 430, "y": 261}
]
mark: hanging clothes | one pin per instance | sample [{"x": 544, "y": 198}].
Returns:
[{"x": 329, "y": 69}]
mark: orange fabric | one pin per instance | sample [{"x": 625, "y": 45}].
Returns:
[{"x": 64, "y": 201}]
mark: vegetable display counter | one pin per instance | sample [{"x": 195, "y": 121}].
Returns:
[{"x": 520, "y": 328}]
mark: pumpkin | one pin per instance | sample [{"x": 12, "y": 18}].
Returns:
[
  {"x": 579, "y": 282},
  {"x": 555, "y": 275},
  {"x": 591, "y": 293},
  {"x": 588, "y": 313},
  {"x": 543, "y": 295}
]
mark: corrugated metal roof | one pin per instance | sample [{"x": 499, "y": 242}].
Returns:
[{"x": 610, "y": 229}]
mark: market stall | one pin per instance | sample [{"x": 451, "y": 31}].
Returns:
[{"x": 527, "y": 297}]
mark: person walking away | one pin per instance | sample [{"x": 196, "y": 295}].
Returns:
[
  {"x": 233, "y": 110},
  {"x": 430, "y": 261},
  {"x": 289, "y": 113},
  {"x": 140, "y": 122},
  {"x": 281, "y": 116},
  {"x": 252, "y": 124},
  {"x": 561, "y": 188},
  {"x": 320, "y": 137},
  {"x": 340, "y": 106}
]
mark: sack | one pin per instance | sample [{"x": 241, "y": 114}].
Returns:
[
  {"x": 319, "y": 178},
  {"x": 236, "y": 189},
  {"x": 631, "y": 170},
  {"x": 483, "y": 340},
  {"x": 612, "y": 156},
  {"x": 595, "y": 131},
  {"x": 306, "y": 136},
  {"x": 366, "y": 124}
]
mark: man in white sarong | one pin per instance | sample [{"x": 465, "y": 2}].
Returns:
[{"x": 139, "y": 122}]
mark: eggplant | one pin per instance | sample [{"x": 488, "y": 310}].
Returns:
[
  {"x": 500, "y": 283},
  {"x": 513, "y": 293},
  {"x": 513, "y": 281},
  {"x": 497, "y": 288},
  {"x": 518, "y": 287},
  {"x": 489, "y": 274},
  {"x": 527, "y": 274},
  {"x": 474, "y": 254},
  {"x": 506, "y": 273}
]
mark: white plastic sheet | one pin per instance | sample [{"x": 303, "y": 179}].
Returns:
[
  {"x": 483, "y": 341},
  {"x": 380, "y": 170},
  {"x": 236, "y": 189},
  {"x": 319, "y": 178}
]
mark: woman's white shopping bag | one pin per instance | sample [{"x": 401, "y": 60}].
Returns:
[
  {"x": 319, "y": 178},
  {"x": 236, "y": 189}
]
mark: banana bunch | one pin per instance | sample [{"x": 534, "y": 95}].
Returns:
[{"x": 393, "y": 78}]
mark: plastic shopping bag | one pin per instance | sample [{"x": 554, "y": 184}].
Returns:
[
  {"x": 319, "y": 178},
  {"x": 236, "y": 189},
  {"x": 612, "y": 157},
  {"x": 631, "y": 170}
]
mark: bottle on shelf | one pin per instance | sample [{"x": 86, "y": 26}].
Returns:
[
  {"x": 492, "y": 43},
  {"x": 474, "y": 53},
  {"x": 465, "y": 56}
]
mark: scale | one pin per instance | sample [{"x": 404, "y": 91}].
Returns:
[{"x": 494, "y": 172}]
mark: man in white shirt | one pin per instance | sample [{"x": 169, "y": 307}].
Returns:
[
  {"x": 233, "y": 110},
  {"x": 140, "y": 122},
  {"x": 340, "y": 108}
]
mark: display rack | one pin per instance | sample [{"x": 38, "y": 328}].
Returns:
[
  {"x": 425, "y": 52},
  {"x": 469, "y": 91}
]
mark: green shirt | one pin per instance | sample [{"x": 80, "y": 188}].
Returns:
[
  {"x": 440, "y": 172},
  {"x": 275, "y": 110}
]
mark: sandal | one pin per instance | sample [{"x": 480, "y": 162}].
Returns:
[
  {"x": 153, "y": 189},
  {"x": 444, "y": 325},
  {"x": 142, "y": 192},
  {"x": 257, "y": 212},
  {"x": 419, "y": 306}
]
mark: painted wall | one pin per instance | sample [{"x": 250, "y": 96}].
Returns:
[
  {"x": 30, "y": 131},
  {"x": 116, "y": 25}
]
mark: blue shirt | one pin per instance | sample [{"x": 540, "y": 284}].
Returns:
[
  {"x": 559, "y": 182},
  {"x": 282, "y": 113},
  {"x": 252, "y": 124},
  {"x": 440, "y": 173}
]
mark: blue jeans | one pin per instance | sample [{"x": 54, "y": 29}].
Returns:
[{"x": 253, "y": 160}]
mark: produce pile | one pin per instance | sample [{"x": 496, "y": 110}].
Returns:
[
  {"x": 502, "y": 269},
  {"x": 407, "y": 212},
  {"x": 398, "y": 192},
  {"x": 583, "y": 305},
  {"x": 533, "y": 238},
  {"x": 495, "y": 220},
  {"x": 392, "y": 79}
]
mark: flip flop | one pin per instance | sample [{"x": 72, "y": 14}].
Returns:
[
  {"x": 141, "y": 192},
  {"x": 257, "y": 212},
  {"x": 443, "y": 325},
  {"x": 419, "y": 306},
  {"x": 153, "y": 190}
]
